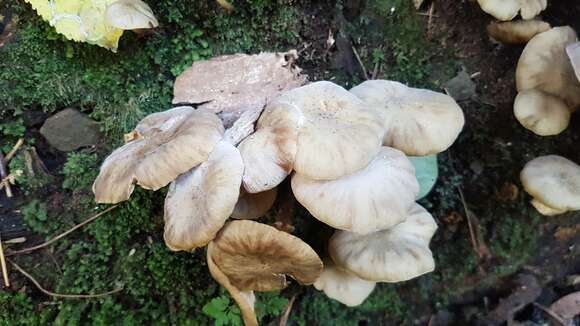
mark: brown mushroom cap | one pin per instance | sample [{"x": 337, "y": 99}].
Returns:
[
  {"x": 253, "y": 206},
  {"x": 516, "y": 32},
  {"x": 542, "y": 113},
  {"x": 200, "y": 201},
  {"x": 393, "y": 255},
  {"x": 168, "y": 144},
  {"x": 544, "y": 66},
  {"x": 258, "y": 257}
]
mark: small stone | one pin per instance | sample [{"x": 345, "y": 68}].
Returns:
[
  {"x": 69, "y": 130},
  {"x": 461, "y": 87}
]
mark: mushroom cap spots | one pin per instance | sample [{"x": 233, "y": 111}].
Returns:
[
  {"x": 516, "y": 32},
  {"x": 418, "y": 122},
  {"x": 342, "y": 286},
  {"x": 252, "y": 206},
  {"x": 130, "y": 14},
  {"x": 257, "y": 257},
  {"x": 545, "y": 66},
  {"x": 169, "y": 143},
  {"x": 542, "y": 113},
  {"x": 393, "y": 255},
  {"x": 554, "y": 181},
  {"x": 200, "y": 201},
  {"x": 374, "y": 198}
]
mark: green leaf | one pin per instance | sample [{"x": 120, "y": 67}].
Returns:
[
  {"x": 426, "y": 170},
  {"x": 216, "y": 307}
]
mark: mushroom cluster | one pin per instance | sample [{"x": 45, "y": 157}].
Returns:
[
  {"x": 345, "y": 152},
  {"x": 508, "y": 9}
]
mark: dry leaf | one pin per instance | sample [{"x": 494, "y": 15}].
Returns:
[{"x": 568, "y": 306}]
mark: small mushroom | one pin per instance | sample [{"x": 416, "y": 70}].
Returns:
[
  {"x": 252, "y": 206},
  {"x": 130, "y": 15},
  {"x": 374, "y": 198},
  {"x": 532, "y": 8},
  {"x": 508, "y": 9},
  {"x": 257, "y": 257},
  {"x": 542, "y": 113},
  {"x": 516, "y": 32},
  {"x": 554, "y": 183},
  {"x": 393, "y": 255},
  {"x": 544, "y": 66},
  {"x": 573, "y": 52},
  {"x": 166, "y": 144},
  {"x": 418, "y": 122},
  {"x": 342, "y": 286}
]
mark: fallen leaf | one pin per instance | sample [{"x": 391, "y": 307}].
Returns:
[
  {"x": 565, "y": 233},
  {"x": 508, "y": 192},
  {"x": 567, "y": 307}
]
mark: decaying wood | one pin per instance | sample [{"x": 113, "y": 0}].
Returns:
[
  {"x": 4, "y": 175},
  {"x": 3, "y": 265}
]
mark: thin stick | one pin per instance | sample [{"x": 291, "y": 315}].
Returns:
[
  {"x": 14, "y": 149},
  {"x": 62, "y": 235},
  {"x": 3, "y": 264},
  {"x": 3, "y": 175},
  {"x": 469, "y": 225},
  {"x": 362, "y": 66},
  {"x": 284, "y": 319},
  {"x": 61, "y": 295},
  {"x": 550, "y": 313}
]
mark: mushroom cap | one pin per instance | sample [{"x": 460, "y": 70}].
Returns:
[
  {"x": 516, "y": 32},
  {"x": 169, "y": 143},
  {"x": 231, "y": 84},
  {"x": 393, "y": 255},
  {"x": 130, "y": 14},
  {"x": 542, "y": 113},
  {"x": 554, "y": 181},
  {"x": 545, "y": 209},
  {"x": 343, "y": 286},
  {"x": 200, "y": 201},
  {"x": 252, "y": 206},
  {"x": 501, "y": 9},
  {"x": 418, "y": 122},
  {"x": 544, "y": 65},
  {"x": 374, "y": 198},
  {"x": 258, "y": 257},
  {"x": 532, "y": 8},
  {"x": 269, "y": 153},
  {"x": 573, "y": 52}
]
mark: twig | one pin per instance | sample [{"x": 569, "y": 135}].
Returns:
[
  {"x": 376, "y": 70},
  {"x": 469, "y": 225},
  {"x": 14, "y": 149},
  {"x": 61, "y": 295},
  {"x": 550, "y": 313},
  {"x": 284, "y": 318},
  {"x": 362, "y": 66},
  {"x": 62, "y": 235},
  {"x": 3, "y": 175},
  {"x": 3, "y": 264}
]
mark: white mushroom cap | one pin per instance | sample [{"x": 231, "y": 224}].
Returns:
[
  {"x": 532, "y": 8},
  {"x": 253, "y": 206},
  {"x": 166, "y": 145},
  {"x": 374, "y": 198},
  {"x": 130, "y": 14},
  {"x": 342, "y": 286},
  {"x": 544, "y": 65},
  {"x": 418, "y": 122},
  {"x": 516, "y": 32},
  {"x": 501, "y": 9},
  {"x": 542, "y": 113},
  {"x": 393, "y": 255},
  {"x": 573, "y": 51},
  {"x": 200, "y": 201},
  {"x": 554, "y": 182}
]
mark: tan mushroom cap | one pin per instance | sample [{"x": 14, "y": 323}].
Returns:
[
  {"x": 516, "y": 32},
  {"x": 343, "y": 286},
  {"x": 130, "y": 14},
  {"x": 573, "y": 52},
  {"x": 542, "y": 113},
  {"x": 253, "y": 206},
  {"x": 374, "y": 198},
  {"x": 258, "y": 257},
  {"x": 554, "y": 182},
  {"x": 244, "y": 299},
  {"x": 200, "y": 201},
  {"x": 393, "y": 255},
  {"x": 544, "y": 65},
  {"x": 418, "y": 122},
  {"x": 168, "y": 144},
  {"x": 507, "y": 9}
]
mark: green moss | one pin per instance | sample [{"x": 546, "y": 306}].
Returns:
[{"x": 80, "y": 170}]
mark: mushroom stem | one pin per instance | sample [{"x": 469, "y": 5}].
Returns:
[{"x": 285, "y": 216}]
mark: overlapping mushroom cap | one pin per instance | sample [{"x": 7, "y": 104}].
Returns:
[
  {"x": 130, "y": 14},
  {"x": 516, "y": 32},
  {"x": 573, "y": 52},
  {"x": 508, "y": 9},
  {"x": 545, "y": 66},
  {"x": 418, "y": 122},
  {"x": 542, "y": 113},
  {"x": 320, "y": 130},
  {"x": 342, "y": 286},
  {"x": 374, "y": 198},
  {"x": 166, "y": 145},
  {"x": 253, "y": 206},
  {"x": 554, "y": 182},
  {"x": 393, "y": 255},
  {"x": 257, "y": 257}
]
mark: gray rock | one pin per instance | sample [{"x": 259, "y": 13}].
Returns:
[
  {"x": 461, "y": 87},
  {"x": 70, "y": 129}
]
